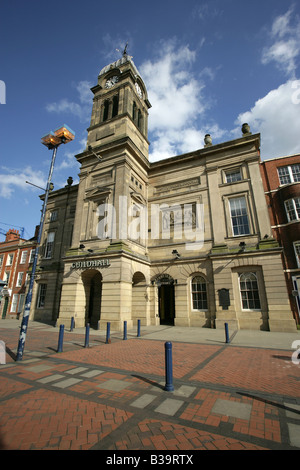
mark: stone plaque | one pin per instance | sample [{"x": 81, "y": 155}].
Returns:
[{"x": 224, "y": 299}]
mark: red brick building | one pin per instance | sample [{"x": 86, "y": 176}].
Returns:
[
  {"x": 281, "y": 179},
  {"x": 16, "y": 257}
]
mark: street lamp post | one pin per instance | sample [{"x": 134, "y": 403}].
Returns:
[{"x": 52, "y": 141}]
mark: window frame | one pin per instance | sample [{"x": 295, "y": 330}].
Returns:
[
  {"x": 20, "y": 279},
  {"x": 232, "y": 171},
  {"x": 24, "y": 255},
  {"x": 14, "y": 303},
  {"x": 248, "y": 290},
  {"x": 10, "y": 257},
  {"x": 294, "y": 204},
  {"x": 230, "y": 200},
  {"x": 297, "y": 256},
  {"x": 199, "y": 292},
  {"x": 41, "y": 297},
  {"x": 290, "y": 174},
  {"x": 49, "y": 247}
]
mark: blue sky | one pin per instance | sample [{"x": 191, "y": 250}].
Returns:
[{"x": 208, "y": 66}]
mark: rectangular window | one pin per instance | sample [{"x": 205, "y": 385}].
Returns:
[
  {"x": 32, "y": 253},
  {"x": 23, "y": 257},
  {"x": 199, "y": 294},
  {"x": 6, "y": 277},
  {"x": 53, "y": 216},
  {"x": 292, "y": 207},
  {"x": 1, "y": 260},
  {"x": 19, "y": 279},
  {"x": 297, "y": 252},
  {"x": 249, "y": 291},
  {"x": 49, "y": 245},
  {"x": 289, "y": 174},
  {"x": 14, "y": 303},
  {"x": 9, "y": 260},
  {"x": 239, "y": 216},
  {"x": 21, "y": 303},
  {"x": 41, "y": 295},
  {"x": 233, "y": 175}
]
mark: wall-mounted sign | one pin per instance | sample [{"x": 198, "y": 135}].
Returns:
[
  {"x": 99, "y": 263},
  {"x": 224, "y": 299}
]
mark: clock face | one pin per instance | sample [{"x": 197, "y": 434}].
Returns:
[
  {"x": 110, "y": 82},
  {"x": 138, "y": 90}
]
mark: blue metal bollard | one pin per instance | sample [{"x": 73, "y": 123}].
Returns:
[
  {"x": 226, "y": 333},
  {"x": 87, "y": 336},
  {"x": 125, "y": 330},
  {"x": 169, "y": 367},
  {"x": 107, "y": 333},
  {"x": 60, "y": 338},
  {"x": 72, "y": 324},
  {"x": 139, "y": 328}
]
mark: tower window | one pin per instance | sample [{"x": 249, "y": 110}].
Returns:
[
  {"x": 115, "y": 109},
  {"x": 134, "y": 111},
  {"x": 139, "y": 123},
  {"x": 105, "y": 111}
]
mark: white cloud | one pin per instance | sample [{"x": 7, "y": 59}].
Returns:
[
  {"x": 277, "y": 117},
  {"x": 82, "y": 110},
  {"x": 176, "y": 99},
  {"x": 284, "y": 43},
  {"x": 15, "y": 179}
]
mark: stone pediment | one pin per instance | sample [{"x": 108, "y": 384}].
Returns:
[
  {"x": 138, "y": 197},
  {"x": 98, "y": 192}
]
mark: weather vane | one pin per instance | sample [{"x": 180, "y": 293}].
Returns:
[{"x": 124, "y": 53}]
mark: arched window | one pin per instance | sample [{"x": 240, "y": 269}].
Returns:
[
  {"x": 105, "y": 111},
  {"x": 134, "y": 111},
  {"x": 199, "y": 293},
  {"x": 115, "y": 109},
  {"x": 139, "y": 123},
  {"x": 249, "y": 291}
]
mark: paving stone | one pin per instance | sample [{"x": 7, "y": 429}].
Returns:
[
  {"x": 232, "y": 408},
  {"x": 169, "y": 406},
  {"x": 143, "y": 400},
  {"x": 67, "y": 383},
  {"x": 39, "y": 368},
  {"x": 92, "y": 373},
  {"x": 50, "y": 378},
  {"x": 184, "y": 391},
  {"x": 76, "y": 370},
  {"x": 114, "y": 385}
]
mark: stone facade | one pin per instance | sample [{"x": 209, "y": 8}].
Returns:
[{"x": 184, "y": 241}]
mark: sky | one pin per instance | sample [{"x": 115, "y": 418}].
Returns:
[{"x": 209, "y": 66}]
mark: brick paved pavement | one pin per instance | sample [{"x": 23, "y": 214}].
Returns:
[{"x": 111, "y": 396}]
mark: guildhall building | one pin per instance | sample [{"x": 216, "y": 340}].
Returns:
[{"x": 184, "y": 241}]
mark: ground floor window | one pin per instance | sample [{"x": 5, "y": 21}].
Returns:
[
  {"x": 41, "y": 295},
  {"x": 249, "y": 291},
  {"x": 199, "y": 293},
  {"x": 14, "y": 303}
]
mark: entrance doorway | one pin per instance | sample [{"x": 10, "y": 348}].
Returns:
[
  {"x": 92, "y": 281},
  {"x": 166, "y": 300}
]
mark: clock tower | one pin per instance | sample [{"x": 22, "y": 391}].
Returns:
[
  {"x": 115, "y": 163},
  {"x": 120, "y": 106}
]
